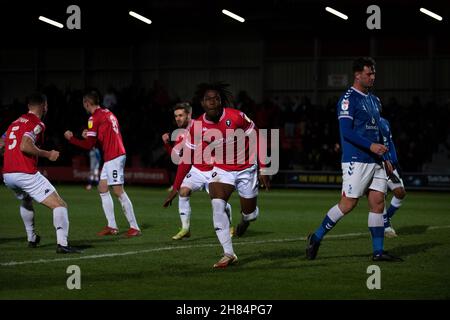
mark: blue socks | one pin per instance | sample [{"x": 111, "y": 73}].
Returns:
[
  {"x": 328, "y": 223},
  {"x": 376, "y": 227}
]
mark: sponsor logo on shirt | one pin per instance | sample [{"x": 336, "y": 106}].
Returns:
[{"x": 369, "y": 127}]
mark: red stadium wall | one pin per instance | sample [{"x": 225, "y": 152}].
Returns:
[{"x": 132, "y": 175}]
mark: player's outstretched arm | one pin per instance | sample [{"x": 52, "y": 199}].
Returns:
[
  {"x": 27, "y": 146},
  {"x": 87, "y": 143}
]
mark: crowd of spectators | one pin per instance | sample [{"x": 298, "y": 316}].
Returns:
[{"x": 309, "y": 134}]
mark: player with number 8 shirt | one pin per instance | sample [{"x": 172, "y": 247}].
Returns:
[{"x": 103, "y": 128}]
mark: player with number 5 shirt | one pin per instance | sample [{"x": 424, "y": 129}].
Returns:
[{"x": 22, "y": 143}]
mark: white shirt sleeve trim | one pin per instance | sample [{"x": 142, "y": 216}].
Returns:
[
  {"x": 252, "y": 126},
  {"x": 349, "y": 117},
  {"x": 30, "y": 135}
]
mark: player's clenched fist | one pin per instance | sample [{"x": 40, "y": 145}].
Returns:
[
  {"x": 53, "y": 155},
  {"x": 165, "y": 138},
  {"x": 68, "y": 134}
]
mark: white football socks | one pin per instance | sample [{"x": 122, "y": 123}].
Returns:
[
  {"x": 61, "y": 223},
  {"x": 108, "y": 208},
  {"x": 335, "y": 214},
  {"x": 396, "y": 202},
  {"x": 184, "y": 209},
  {"x": 127, "y": 207},
  {"x": 28, "y": 221},
  {"x": 222, "y": 225}
]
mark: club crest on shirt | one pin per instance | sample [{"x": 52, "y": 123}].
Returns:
[
  {"x": 90, "y": 123},
  {"x": 344, "y": 104},
  {"x": 228, "y": 122}
]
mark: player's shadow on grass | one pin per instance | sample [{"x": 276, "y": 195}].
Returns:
[
  {"x": 279, "y": 259},
  {"x": 76, "y": 243},
  {"x": 194, "y": 239},
  {"x": 400, "y": 251},
  {"x": 408, "y": 250},
  {"x": 145, "y": 226},
  {"x": 88, "y": 243},
  {"x": 419, "y": 229},
  {"x": 327, "y": 257},
  {"x": 250, "y": 233},
  {"x": 4, "y": 240}
]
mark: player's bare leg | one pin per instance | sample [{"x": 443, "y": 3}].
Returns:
[
  {"x": 27, "y": 214},
  {"x": 184, "y": 209},
  {"x": 108, "y": 209},
  {"x": 346, "y": 204},
  {"x": 60, "y": 222},
  {"x": 220, "y": 194},
  {"x": 128, "y": 210}
]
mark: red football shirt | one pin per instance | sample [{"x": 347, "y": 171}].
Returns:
[
  {"x": 15, "y": 160},
  {"x": 203, "y": 163},
  {"x": 104, "y": 127},
  {"x": 230, "y": 153}
]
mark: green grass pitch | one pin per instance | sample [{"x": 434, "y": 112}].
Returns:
[{"x": 272, "y": 263}]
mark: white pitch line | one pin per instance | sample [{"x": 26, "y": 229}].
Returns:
[{"x": 128, "y": 253}]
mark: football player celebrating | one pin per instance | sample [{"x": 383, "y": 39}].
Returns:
[
  {"x": 198, "y": 177},
  {"x": 103, "y": 128},
  {"x": 229, "y": 172},
  {"x": 20, "y": 173}
]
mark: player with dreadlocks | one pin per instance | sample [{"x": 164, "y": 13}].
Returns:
[
  {"x": 228, "y": 138},
  {"x": 198, "y": 177}
]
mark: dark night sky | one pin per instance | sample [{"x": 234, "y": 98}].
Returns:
[{"x": 109, "y": 20}]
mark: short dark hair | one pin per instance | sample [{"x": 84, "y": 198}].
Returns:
[
  {"x": 183, "y": 106},
  {"x": 361, "y": 62},
  {"x": 36, "y": 99},
  {"x": 92, "y": 95}
]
